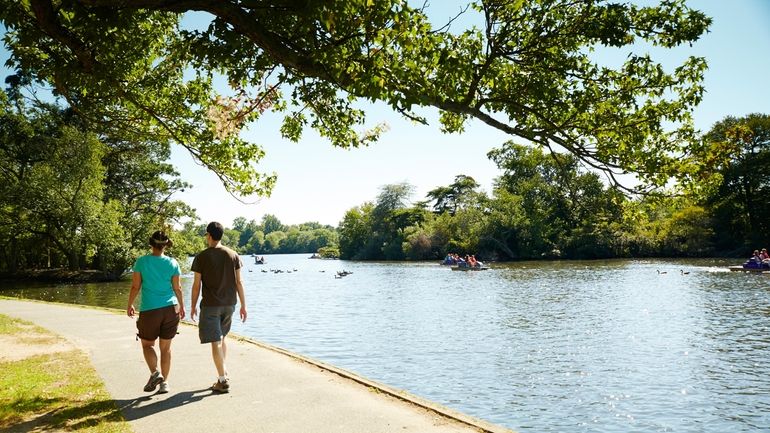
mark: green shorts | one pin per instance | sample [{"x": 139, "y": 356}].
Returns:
[{"x": 215, "y": 323}]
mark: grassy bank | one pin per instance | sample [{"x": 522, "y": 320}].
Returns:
[{"x": 47, "y": 385}]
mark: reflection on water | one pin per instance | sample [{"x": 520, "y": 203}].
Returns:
[{"x": 613, "y": 346}]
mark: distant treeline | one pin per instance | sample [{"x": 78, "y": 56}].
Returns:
[
  {"x": 78, "y": 198},
  {"x": 270, "y": 236},
  {"x": 546, "y": 206}
]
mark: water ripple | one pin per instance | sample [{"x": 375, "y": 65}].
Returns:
[{"x": 601, "y": 346}]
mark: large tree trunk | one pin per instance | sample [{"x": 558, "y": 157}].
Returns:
[{"x": 73, "y": 260}]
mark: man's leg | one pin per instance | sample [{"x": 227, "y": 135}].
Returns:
[
  {"x": 224, "y": 353},
  {"x": 218, "y": 353}
]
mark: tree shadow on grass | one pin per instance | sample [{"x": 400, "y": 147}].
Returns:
[{"x": 75, "y": 417}]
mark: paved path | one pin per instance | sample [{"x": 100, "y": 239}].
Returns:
[{"x": 271, "y": 391}]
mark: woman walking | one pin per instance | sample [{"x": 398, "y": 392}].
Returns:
[{"x": 162, "y": 307}]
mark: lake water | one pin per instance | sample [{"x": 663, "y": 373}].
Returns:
[{"x": 599, "y": 346}]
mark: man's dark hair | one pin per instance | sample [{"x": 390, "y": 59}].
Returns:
[{"x": 216, "y": 230}]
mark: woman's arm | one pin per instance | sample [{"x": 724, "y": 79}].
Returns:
[
  {"x": 179, "y": 295},
  {"x": 136, "y": 284}
]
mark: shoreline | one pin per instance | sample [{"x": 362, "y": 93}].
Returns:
[
  {"x": 273, "y": 389},
  {"x": 58, "y": 275}
]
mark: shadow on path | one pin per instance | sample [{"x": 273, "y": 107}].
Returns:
[{"x": 136, "y": 408}]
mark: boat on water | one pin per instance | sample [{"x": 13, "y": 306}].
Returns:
[
  {"x": 755, "y": 264},
  {"x": 740, "y": 268},
  {"x": 469, "y": 268}
]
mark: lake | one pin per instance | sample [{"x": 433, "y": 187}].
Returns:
[{"x": 565, "y": 346}]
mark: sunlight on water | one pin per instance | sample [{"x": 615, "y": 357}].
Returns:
[{"x": 602, "y": 346}]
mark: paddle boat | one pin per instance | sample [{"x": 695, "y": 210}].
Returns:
[
  {"x": 752, "y": 265},
  {"x": 740, "y": 268},
  {"x": 469, "y": 268}
]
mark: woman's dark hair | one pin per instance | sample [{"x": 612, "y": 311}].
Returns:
[{"x": 159, "y": 239}]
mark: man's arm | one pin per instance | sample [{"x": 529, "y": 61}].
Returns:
[
  {"x": 196, "y": 290},
  {"x": 241, "y": 294}
]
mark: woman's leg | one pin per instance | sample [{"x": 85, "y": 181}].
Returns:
[
  {"x": 165, "y": 357},
  {"x": 150, "y": 357}
]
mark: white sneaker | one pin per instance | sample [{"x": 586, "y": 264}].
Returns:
[{"x": 164, "y": 388}]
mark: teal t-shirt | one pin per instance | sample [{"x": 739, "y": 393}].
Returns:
[{"x": 157, "y": 272}]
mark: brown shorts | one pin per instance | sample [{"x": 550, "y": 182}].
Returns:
[{"x": 160, "y": 322}]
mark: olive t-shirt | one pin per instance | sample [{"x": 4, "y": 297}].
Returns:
[{"x": 217, "y": 267}]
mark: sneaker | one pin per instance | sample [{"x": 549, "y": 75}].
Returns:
[
  {"x": 221, "y": 387},
  {"x": 154, "y": 381},
  {"x": 164, "y": 388}
]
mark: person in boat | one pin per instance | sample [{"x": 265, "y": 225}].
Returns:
[
  {"x": 756, "y": 258},
  {"x": 755, "y": 262},
  {"x": 472, "y": 261},
  {"x": 764, "y": 256}
]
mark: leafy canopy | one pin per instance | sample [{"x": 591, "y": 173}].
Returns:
[{"x": 528, "y": 72}]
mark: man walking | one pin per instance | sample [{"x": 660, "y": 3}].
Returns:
[{"x": 218, "y": 270}]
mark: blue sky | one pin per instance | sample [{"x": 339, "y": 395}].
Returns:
[{"x": 317, "y": 182}]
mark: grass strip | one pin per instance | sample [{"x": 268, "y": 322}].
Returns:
[{"x": 53, "y": 392}]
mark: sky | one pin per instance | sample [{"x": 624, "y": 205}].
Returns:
[{"x": 320, "y": 183}]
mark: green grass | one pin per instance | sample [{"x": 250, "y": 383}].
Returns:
[
  {"x": 53, "y": 392},
  {"x": 10, "y": 325},
  {"x": 25, "y": 332}
]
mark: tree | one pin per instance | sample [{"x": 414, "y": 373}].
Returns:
[
  {"x": 230, "y": 238},
  {"x": 256, "y": 243},
  {"x": 688, "y": 233},
  {"x": 356, "y": 240},
  {"x": 450, "y": 198},
  {"x": 273, "y": 241},
  {"x": 527, "y": 72},
  {"x": 139, "y": 178},
  {"x": 389, "y": 218},
  {"x": 567, "y": 209},
  {"x": 271, "y": 223},
  {"x": 506, "y": 228},
  {"x": 740, "y": 205},
  {"x": 51, "y": 183},
  {"x": 247, "y": 230}
]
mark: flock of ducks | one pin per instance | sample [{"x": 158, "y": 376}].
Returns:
[{"x": 339, "y": 274}]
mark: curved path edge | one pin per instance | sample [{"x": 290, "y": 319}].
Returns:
[{"x": 273, "y": 389}]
